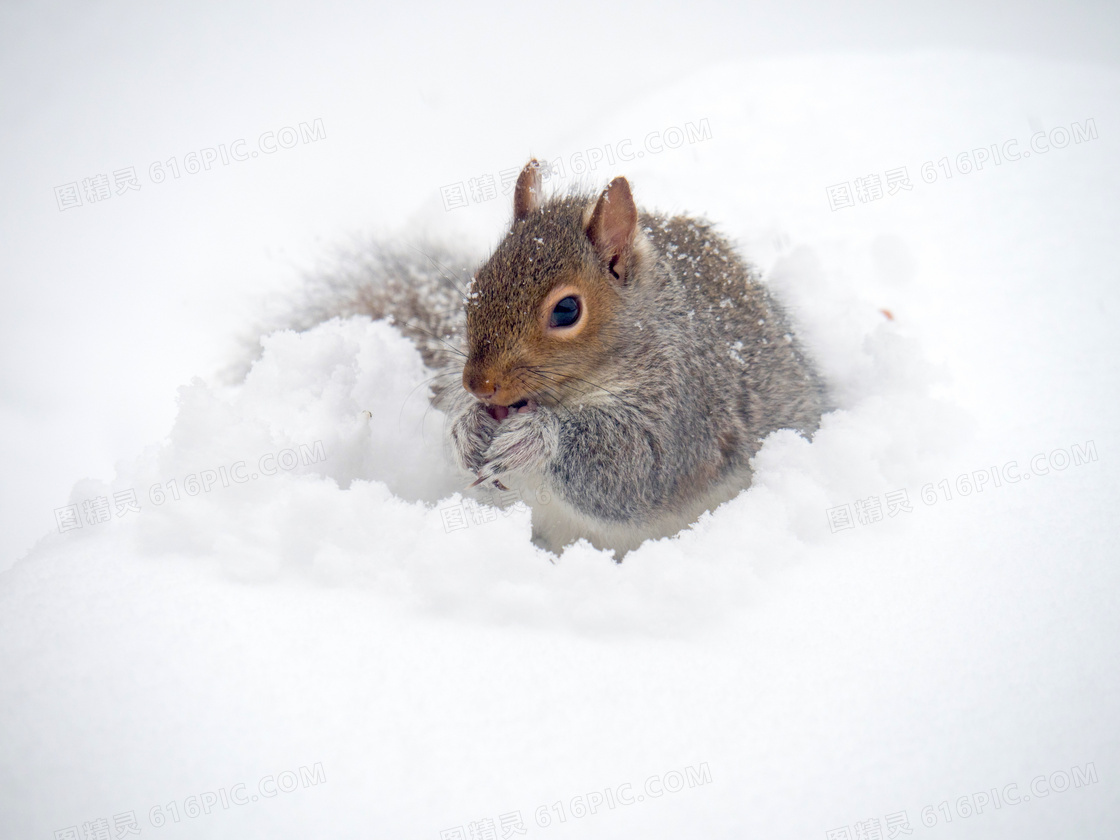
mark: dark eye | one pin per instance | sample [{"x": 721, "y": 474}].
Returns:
[{"x": 565, "y": 313}]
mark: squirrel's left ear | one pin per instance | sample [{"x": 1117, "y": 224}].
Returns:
[
  {"x": 527, "y": 193},
  {"x": 612, "y": 226}
]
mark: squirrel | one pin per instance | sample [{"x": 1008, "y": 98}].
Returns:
[{"x": 615, "y": 368}]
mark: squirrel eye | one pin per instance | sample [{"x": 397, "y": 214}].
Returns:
[{"x": 565, "y": 313}]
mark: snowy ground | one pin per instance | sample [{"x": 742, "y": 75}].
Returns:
[{"x": 302, "y": 632}]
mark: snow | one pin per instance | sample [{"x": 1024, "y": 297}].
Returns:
[{"x": 333, "y": 614}]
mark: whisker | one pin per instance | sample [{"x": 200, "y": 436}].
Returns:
[
  {"x": 448, "y": 346},
  {"x": 404, "y": 402},
  {"x": 444, "y": 272},
  {"x": 553, "y": 372}
]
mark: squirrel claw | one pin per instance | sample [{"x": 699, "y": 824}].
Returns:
[{"x": 483, "y": 478}]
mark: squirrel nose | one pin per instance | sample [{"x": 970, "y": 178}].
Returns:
[{"x": 480, "y": 385}]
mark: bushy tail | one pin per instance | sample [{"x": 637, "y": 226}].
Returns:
[{"x": 420, "y": 287}]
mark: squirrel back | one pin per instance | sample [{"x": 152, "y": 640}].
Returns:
[{"x": 419, "y": 287}]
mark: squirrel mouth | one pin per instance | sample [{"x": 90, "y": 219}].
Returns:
[{"x": 500, "y": 412}]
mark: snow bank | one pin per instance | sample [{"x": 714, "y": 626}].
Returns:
[{"x": 328, "y": 464}]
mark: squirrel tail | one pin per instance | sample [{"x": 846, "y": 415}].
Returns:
[{"x": 420, "y": 287}]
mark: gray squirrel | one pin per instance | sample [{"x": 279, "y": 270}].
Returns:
[{"x": 613, "y": 368}]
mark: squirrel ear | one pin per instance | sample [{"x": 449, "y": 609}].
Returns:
[
  {"x": 612, "y": 227},
  {"x": 527, "y": 193}
]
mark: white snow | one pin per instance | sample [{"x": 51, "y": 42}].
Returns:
[{"x": 330, "y": 603}]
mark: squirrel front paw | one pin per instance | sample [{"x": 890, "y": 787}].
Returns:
[
  {"x": 471, "y": 434},
  {"x": 524, "y": 443}
]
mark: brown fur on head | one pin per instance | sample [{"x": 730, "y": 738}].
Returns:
[{"x": 555, "y": 250}]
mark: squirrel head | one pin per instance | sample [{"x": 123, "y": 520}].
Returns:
[{"x": 543, "y": 311}]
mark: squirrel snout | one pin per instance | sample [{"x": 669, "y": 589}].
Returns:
[
  {"x": 494, "y": 388},
  {"x": 478, "y": 383}
]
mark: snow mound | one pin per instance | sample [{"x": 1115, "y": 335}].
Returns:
[{"x": 327, "y": 462}]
